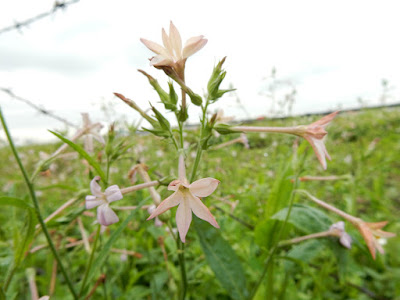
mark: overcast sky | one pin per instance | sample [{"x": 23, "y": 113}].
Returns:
[{"x": 333, "y": 52}]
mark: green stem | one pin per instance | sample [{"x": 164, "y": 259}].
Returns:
[
  {"x": 89, "y": 266},
  {"x": 9, "y": 277},
  {"x": 276, "y": 245},
  {"x": 36, "y": 207},
  {"x": 199, "y": 146},
  {"x": 181, "y": 258}
]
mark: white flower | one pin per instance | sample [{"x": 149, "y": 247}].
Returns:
[
  {"x": 187, "y": 196},
  {"x": 105, "y": 215},
  {"x": 172, "y": 54}
]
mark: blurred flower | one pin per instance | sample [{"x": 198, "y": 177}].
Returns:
[
  {"x": 337, "y": 229},
  {"x": 314, "y": 134},
  {"x": 244, "y": 140},
  {"x": 187, "y": 196},
  {"x": 172, "y": 55},
  {"x": 372, "y": 233},
  {"x": 91, "y": 131},
  {"x": 105, "y": 215}
]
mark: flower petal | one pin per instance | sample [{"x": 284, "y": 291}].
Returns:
[
  {"x": 183, "y": 219},
  {"x": 166, "y": 42},
  {"x": 319, "y": 150},
  {"x": 161, "y": 60},
  {"x": 339, "y": 226},
  {"x": 204, "y": 187},
  {"x": 200, "y": 210},
  {"x": 113, "y": 193},
  {"x": 156, "y": 48},
  {"x": 92, "y": 201},
  {"x": 193, "y": 45},
  {"x": 345, "y": 240},
  {"x": 95, "y": 188},
  {"x": 171, "y": 201},
  {"x": 106, "y": 216},
  {"x": 368, "y": 238},
  {"x": 175, "y": 40},
  {"x": 325, "y": 120}
]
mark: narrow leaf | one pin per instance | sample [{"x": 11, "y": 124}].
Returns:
[{"x": 83, "y": 153}]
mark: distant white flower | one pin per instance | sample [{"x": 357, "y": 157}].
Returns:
[
  {"x": 157, "y": 221},
  {"x": 105, "y": 215}
]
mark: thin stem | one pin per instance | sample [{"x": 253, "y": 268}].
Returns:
[
  {"x": 289, "y": 130},
  {"x": 89, "y": 266},
  {"x": 146, "y": 178},
  {"x": 139, "y": 187},
  {"x": 304, "y": 238},
  {"x": 132, "y": 104},
  {"x": 36, "y": 206},
  {"x": 275, "y": 247},
  {"x": 327, "y": 206},
  {"x": 181, "y": 258},
  {"x": 183, "y": 99},
  {"x": 199, "y": 147}
]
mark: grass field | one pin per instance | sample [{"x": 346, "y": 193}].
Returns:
[{"x": 140, "y": 260}]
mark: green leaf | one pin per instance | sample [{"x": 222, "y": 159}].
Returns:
[
  {"x": 83, "y": 153},
  {"x": 222, "y": 260},
  {"x": 304, "y": 252},
  {"x": 161, "y": 119},
  {"x": 305, "y": 218},
  {"x": 16, "y": 202},
  {"x": 21, "y": 245},
  {"x": 278, "y": 198}
]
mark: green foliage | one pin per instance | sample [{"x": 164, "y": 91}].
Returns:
[
  {"x": 249, "y": 205},
  {"x": 222, "y": 260},
  {"x": 305, "y": 218}
]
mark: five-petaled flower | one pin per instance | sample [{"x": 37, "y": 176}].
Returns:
[
  {"x": 105, "y": 215},
  {"x": 187, "y": 196},
  {"x": 172, "y": 54},
  {"x": 371, "y": 232}
]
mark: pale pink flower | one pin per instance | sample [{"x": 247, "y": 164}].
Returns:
[
  {"x": 105, "y": 215},
  {"x": 315, "y": 133},
  {"x": 371, "y": 233},
  {"x": 338, "y": 230},
  {"x": 172, "y": 54},
  {"x": 187, "y": 196}
]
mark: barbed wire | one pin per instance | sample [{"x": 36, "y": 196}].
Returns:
[
  {"x": 37, "y": 107},
  {"x": 19, "y": 25}
]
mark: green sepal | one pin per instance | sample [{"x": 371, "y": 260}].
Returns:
[
  {"x": 172, "y": 94},
  {"x": 224, "y": 129},
  {"x": 161, "y": 133},
  {"x": 161, "y": 119}
]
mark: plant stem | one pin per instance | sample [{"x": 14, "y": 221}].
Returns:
[
  {"x": 89, "y": 266},
  {"x": 199, "y": 146},
  {"x": 304, "y": 238},
  {"x": 276, "y": 246},
  {"x": 36, "y": 207},
  {"x": 181, "y": 258}
]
